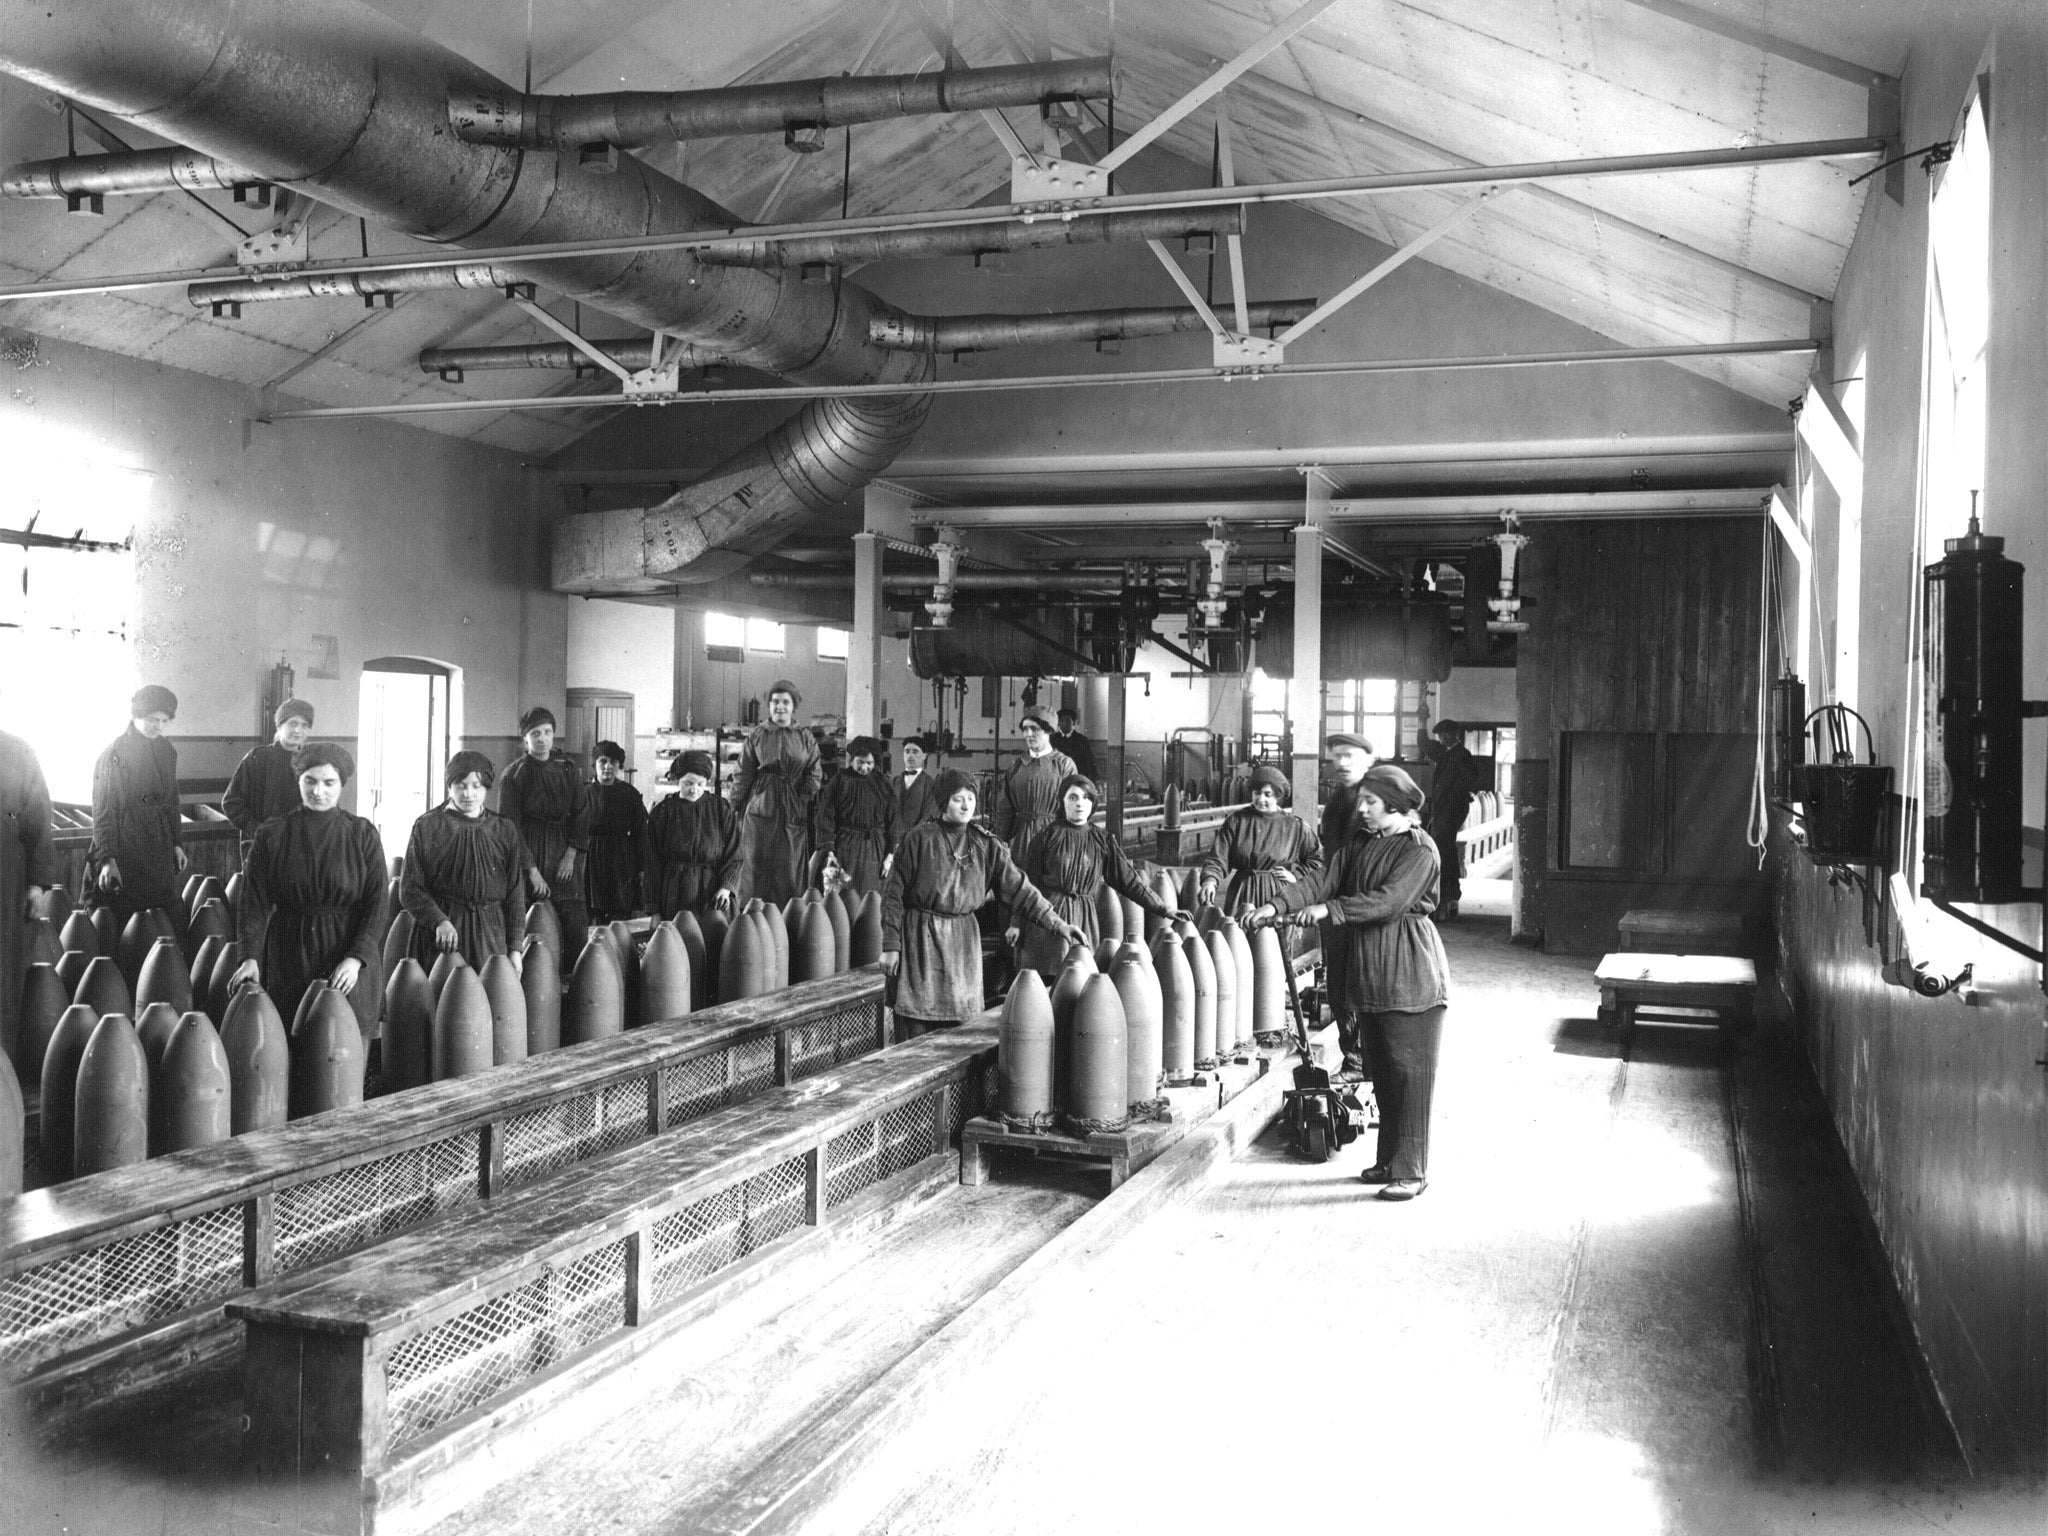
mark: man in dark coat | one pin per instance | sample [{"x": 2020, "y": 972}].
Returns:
[
  {"x": 1450, "y": 801},
  {"x": 1350, "y": 756},
  {"x": 28, "y": 868},
  {"x": 136, "y": 853},
  {"x": 1070, "y": 740},
  {"x": 264, "y": 784},
  {"x": 541, "y": 793},
  {"x": 917, "y": 788}
]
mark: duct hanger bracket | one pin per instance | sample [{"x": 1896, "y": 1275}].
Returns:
[
  {"x": 663, "y": 376},
  {"x": 1041, "y": 184},
  {"x": 1250, "y": 356},
  {"x": 287, "y": 243}
]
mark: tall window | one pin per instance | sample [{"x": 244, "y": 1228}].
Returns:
[
  {"x": 1368, "y": 706},
  {"x": 832, "y": 643}
]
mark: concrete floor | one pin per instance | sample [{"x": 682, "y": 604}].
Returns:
[{"x": 1584, "y": 1325}]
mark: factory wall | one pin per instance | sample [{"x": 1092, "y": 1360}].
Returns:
[
  {"x": 1943, "y": 1107},
  {"x": 325, "y": 544},
  {"x": 627, "y": 648}
]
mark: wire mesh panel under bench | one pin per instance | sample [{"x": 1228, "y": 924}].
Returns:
[
  {"x": 362, "y": 1376},
  {"x": 109, "y": 1282}
]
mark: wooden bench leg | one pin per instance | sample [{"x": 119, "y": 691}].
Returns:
[
  {"x": 1606, "y": 1017},
  {"x": 1625, "y": 1021},
  {"x": 973, "y": 1161},
  {"x": 1119, "y": 1170}
]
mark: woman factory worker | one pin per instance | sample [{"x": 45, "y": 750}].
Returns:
[
  {"x": 857, "y": 817},
  {"x": 1350, "y": 756},
  {"x": 313, "y": 888},
  {"x": 1259, "y": 849},
  {"x": 266, "y": 782},
  {"x": 542, "y": 796},
  {"x": 465, "y": 872},
  {"x": 944, "y": 871},
  {"x": 1069, "y": 862},
  {"x": 618, "y": 831},
  {"x": 1030, "y": 794},
  {"x": 693, "y": 843},
  {"x": 1381, "y": 888},
  {"x": 135, "y": 819},
  {"x": 776, "y": 787}
]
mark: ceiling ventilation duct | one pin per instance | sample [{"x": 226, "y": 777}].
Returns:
[{"x": 333, "y": 97}]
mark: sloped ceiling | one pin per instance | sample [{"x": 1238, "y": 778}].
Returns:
[{"x": 1370, "y": 85}]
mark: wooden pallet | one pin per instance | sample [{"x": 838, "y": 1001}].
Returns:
[
  {"x": 1639, "y": 985},
  {"x": 1123, "y": 1152}
]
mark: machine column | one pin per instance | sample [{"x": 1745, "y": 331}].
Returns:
[
  {"x": 1305, "y": 692},
  {"x": 864, "y": 652}
]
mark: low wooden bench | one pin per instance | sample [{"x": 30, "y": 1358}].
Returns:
[
  {"x": 363, "y": 1376},
  {"x": 1683, "y": 933},
  {"x": 108, "y": 1282},
  {"x": 1638, "y": 985}
]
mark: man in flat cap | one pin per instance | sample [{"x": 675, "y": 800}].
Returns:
[
  {"x": 1350, "y": 756},
  {"x": 265, "y": 784},
  {"x": 136, "y": 854}
]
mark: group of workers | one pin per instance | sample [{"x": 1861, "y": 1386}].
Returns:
[{"x": 1371, "y": 875}]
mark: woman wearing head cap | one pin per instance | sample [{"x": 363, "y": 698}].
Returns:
[
  {"x": 693, "y": 843},
  {"x": 1069, "y": 861},
  {"x": 1381, "y": 888},
  {"x": 1259, "y": 849},
  {"x": 1029, "y": 797},
  {"x": 136, "y": 852},
  {"x": 465, "y": 872},
  {"x": 313, "y": 890},
  {"x": 943, "y": 873},
  {"x": 857, "y": 817},
  {"x": 777, "y": 785},
  {"x": 265, "y": 784},
  {"x": 541, "y": 793},
  {"x": 618, "y": 832}
]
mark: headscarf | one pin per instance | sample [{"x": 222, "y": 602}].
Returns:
[
  {"x": 292, "y": 709},
  {"x": 1392, "y": 787},
  {"x": 318, "y": 754},
  {"x": 463, "y": 764},
  {"x": 698, "y": 763},
  {"x": 612, "y": 750},
  {"x": 951, "y": 782},
  {"x": 538, "y": 715},
  {"x": 1267, "y": 775},
  {"x": 784, "y": 685},
  {"x": 863, "y": 746},
  {"x": 151, "y": 699},
  {"x": 1036, "y": 717}
]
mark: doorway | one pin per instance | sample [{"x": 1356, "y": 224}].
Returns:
[{"x": 407, "y": 714}]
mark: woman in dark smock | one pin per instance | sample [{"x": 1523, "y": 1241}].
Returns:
[
  {"x": 1381, "y": 889},
  {"x": 693, "y": 844},
  {"x": 1350, "y": 756},
  {"x": 28, "y": 869},
  {"x": 135, "y": 822},
  {"x": 944, "y": 871},
  {"x": 1069, "y": 862},
  {"x": 465, "y": 872},
  {"x": 313, "y": 896},
  {"x": 618, "y": 832},
  {"x": 857, "y": 817},
  {"x": 541, "y": 793},
  {"x": 779, "y": 775},
  {"x": 1029, "y": 796},
  {"x": 1259, "y": 849}
]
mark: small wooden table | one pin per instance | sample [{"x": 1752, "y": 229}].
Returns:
[{"x": 1642, "y": 984}]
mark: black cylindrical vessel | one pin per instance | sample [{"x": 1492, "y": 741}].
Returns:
[{"x": 1971, "y": 804}]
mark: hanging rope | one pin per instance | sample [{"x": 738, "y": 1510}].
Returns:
[{"x": 1759, "y": 829}]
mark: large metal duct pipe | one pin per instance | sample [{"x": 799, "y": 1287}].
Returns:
[
  {"x": 976, "y": 239},
  {"x": 628, "y": 118},
  {"x": 979, "y": 333},
  {"x": 982, "y": 642},
  {"x": 337, "y": 98},
  {"x": 1411, "y": 641},
  {"x": 1108, "y": 582},
  {"x": 135, "y": 171}
]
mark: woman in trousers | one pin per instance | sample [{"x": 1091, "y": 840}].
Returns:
[{"x": 1380, "y": 888}]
